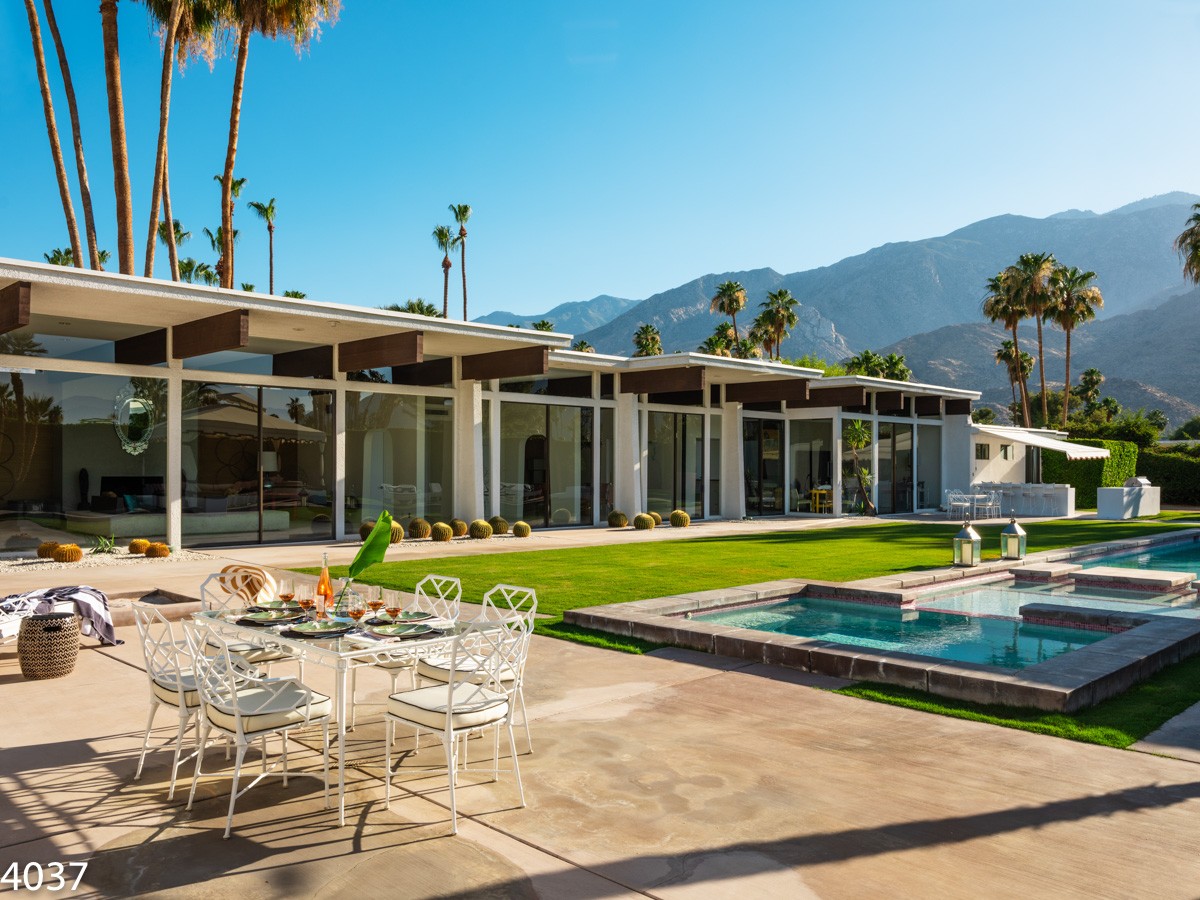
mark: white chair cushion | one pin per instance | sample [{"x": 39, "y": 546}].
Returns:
[
  {"x": 251, "y": 653},
  {"x": 437, "y": 668},
  {"x": 165, "y": 691},
  {"x": 395, "y": 664},
  {"x": 285, "y": 709},
  {"x": 473, "y": 707}
]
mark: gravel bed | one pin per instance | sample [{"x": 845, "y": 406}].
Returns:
[{"x": 122, "y": 557}]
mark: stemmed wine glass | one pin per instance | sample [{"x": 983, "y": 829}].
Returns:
[
  {"x": 356, "y": 607},
  {"x": 392, "y": 604},
  {"x": 374, "y": 599},
  {"x": 287, "y": 591},
  {"x": 306, "y": 597}
]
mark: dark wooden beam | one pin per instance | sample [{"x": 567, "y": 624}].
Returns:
[
  {"x": 506, "y": 364},
  {"x": 843, "y": 396},
  {"x": 764, "y": 391},
  {"x": 889, "y": 401},
  {"x": 307, "y": 362},
  {"x": 14, "y": 306},
  {"x": 400, "y": 348},
  {"x": 958, "y": 407},
  {"x": 663, "y": 381},
  {"x": 224, "y": 331},
  {"x": 929, "y": 406},
  {"x": 677, "y": 398},
  {"x": 148, "y": 349},
  {"x": 430, "y": 373}
]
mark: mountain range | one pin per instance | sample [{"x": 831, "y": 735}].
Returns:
[{"x": 922, "y": 298}]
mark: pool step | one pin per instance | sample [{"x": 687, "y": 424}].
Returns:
[
  {"x": 1156, "y": 580},
  {"x": 1045, "y": 571}
]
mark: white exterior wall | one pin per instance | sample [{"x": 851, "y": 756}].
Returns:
[
  {"x": 733, "y": 469},
  {"x": 995, "y": 468},
  {"x": 627, "y": 453},
  {"x": 958, "y": 452},
  {"x": 468, "y": 448}
]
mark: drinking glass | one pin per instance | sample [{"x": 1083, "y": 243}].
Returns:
[
  {"x": 287, "y": 590},
  {"x": 392, "y": 604},
  {"x": 306, "y": 596},
  {"x": 355, "y": 606},
  {"x": 374, "y": 597}
]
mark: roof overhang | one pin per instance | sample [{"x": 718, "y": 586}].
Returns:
[{"x": 1045, "y": 439}]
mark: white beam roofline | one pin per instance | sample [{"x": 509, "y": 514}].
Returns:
[{"x": 886, "y": 384}]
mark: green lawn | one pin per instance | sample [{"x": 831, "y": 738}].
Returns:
[{"x": 590, "y": 576}]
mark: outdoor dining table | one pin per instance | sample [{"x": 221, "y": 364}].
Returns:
[{"x": 338, "y": 653}]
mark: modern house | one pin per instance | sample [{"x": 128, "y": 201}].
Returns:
[{"x": 200, "y": 416}]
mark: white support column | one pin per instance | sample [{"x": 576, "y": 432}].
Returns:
[
  {"x": 596, "y": 414},
  {"x": 174, "y": 475},
  {"x": 628, "y": 452},
  {"x": 733, "y": 466},
  {"x": 339, "y": 462},
  {"x": 706, "y": 463},
  {"x": 494, "y": 450},
  {"x": 468, "y": 449},
  {"x": 837, "y": 463}
]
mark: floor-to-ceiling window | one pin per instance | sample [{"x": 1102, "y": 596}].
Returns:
[
  {"x": 257, "y": 463},
  {"x": 811, "y": 456},
  {"x": 675, "y": 465},
  {"x": 929, "y": 466},
  {"x": 762, "y": 446},
  {"x": 714, "y": 465},
  {"x": 546, "y": 463},
  {"x": 860, "y": 457},
  {"x": 895, "y": 467}
]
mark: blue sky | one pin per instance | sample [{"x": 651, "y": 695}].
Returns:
[{"x": 622, "y": 147}]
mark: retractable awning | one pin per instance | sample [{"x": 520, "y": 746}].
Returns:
[{"x": 1038, "y": 439}]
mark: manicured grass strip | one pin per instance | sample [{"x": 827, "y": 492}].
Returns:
[
  {"x": 559, "y": 629},
  {"x": 1118, "y": 722}
]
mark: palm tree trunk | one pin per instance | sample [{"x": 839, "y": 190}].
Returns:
[
  {"x": 60, "y": 168},
  {"x": 116, "y": 130},
  {"x": 446, "y": 290},
  {"x": 164, "y": 112},
  {"x": 1042, "y": 375},
  {"x": 85, "y": 192},
  {"x": 733, "y": 316},
  {"x": 235, "y": 114},
  {"x": 271, "y": 257},
  {"x": 172, "y": 247},
  {"x": 868, "y": 506},
  {"x": 462, "y": 250},
  {"x": 1021, "y": 379},
  {"x": 1067, "y": 386}
]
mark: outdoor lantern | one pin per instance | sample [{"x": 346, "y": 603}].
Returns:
[
  {"x": 1012, "y": 540},
  {"x": 967, "y": 546}
]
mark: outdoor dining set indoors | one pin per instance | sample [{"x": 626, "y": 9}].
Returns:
[{"x": 217, "y": 673}]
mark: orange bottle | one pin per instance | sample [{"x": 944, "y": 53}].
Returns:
[{"x": 324, "y": 590}]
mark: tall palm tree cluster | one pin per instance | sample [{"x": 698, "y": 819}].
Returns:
[
  {"x": 773, "y": 324},
  {"x": 447, "y": 241},
  {"x": 188, "y": 29},
  {"x": 875, "y": 365},
  {"x": 1038, "y": 287}
]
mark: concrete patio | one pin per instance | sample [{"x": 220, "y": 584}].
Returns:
[{"x": 672, "y": 774}]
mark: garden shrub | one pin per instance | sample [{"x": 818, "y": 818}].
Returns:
[
  {"x": 1175, "y": 470},
  {"x": 1086, "y": 475}
]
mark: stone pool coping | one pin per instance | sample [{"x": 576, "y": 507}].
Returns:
[{"x": 1066, "y": 683}]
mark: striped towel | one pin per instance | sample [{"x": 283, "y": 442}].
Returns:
[{"x": 92, "y": 605}]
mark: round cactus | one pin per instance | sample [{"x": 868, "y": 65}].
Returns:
[
  {"x": 499, "y": 525},
  {"x": 643, "y": 522},
  {"x": 480, "y": 530},
  {"x": 158, "y": 551},
  {"x": 138, "y": 546},
  {"x": 656, "y": 517},
  {"x": 68, "y": 553},
  {"x": 365, "y": 528},
  {"x": 419, "y": 528},
  {"x": 46, "y": 549},
  {"x": 561, "y": 516},
  {"x": 617, "y": 519},
  {"x": 680, "y": 519},
  {"x": 521, "y": 529},
  {"x": 397, "y": 533},
  {"x": 458, "y": 526},
  {"x": 441, "y": 532}
]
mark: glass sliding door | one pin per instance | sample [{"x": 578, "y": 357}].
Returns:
[
  {"x": 929, "y": 466},
  {"x": 811, "y": 448},
  {"x": 675, "y": 469},
  {"x": 564, "y": 464},
  {"x": 714, "y": 465},
  {"x": 895, "y": 468},
  {"x": 546, "y": 465},
  {"x": 762, "y": 446}
]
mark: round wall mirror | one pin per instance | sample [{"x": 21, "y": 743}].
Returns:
[{"x": 133, "y": 419}]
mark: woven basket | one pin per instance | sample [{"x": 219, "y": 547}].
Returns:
[{"x": 48, "y": 645}]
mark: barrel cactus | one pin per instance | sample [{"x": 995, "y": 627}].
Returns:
[
  {"x": 138, "y": 546},
  {"x": 158, "y": 551},
  {"x": 521, "y": 529},
  {"x": 480, "y": 530},
  {"x": 643, "y": 522},
  {"x": 441, "y": 532},
  {"x": 656, "y": 517},
  {"x": 499, "y": 525},
  {"x": 617, "y": 519},
  {"x": 680, "y": 519},
  {"x": 68, "y": 553},
  {"x": 397, "y": 533},
  {"x": 458, "y": 526},
  {"x": 419, "y": 529},
  {"x": 46, "y": 549},
  {"x": 365, "y": 528}
]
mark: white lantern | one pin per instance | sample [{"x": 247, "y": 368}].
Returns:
[{"x": 968, "y": 546}]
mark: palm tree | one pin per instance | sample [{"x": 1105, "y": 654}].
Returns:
[
  {"x": 746, "y": 349},
  {"x": 116, "y": 129},
  {"x": 1001, "y": 304},
  {"x": 1030, "y": 279},
  {"x": 582, "y": 346},
  {"x": 266, "y": 212},
  {"x": 542, "y": 325},
  {"x": 295, "y": 295},
  {"x": 461, "y": 213},
  {"x": 714, "y": 345},
  {"x": 896, "y": 368},
  {"x": 300, "y": 20},
  {"x": 445, "y": 240},
  {"x": 856, "y": 435},
  {"x": 1075, "y": 301},
  {"x": 1111, "y": 408},
  {"x": 1187, "y": 245},
  {"x": 868, "y": 363},
  {"x": 417, "y": 306},
  {"x": 176, "y": 235},
  {"x": 248, "y": 287},
  {"x": 781, "y": 306},
  {"x": 85, "y": 192},
  {"x": 729, "y": 300},
  {"x": 1006, "y": 355},
  {"x": 762, "y": 334},
  {"x": 60, "y": 168},
  {"x": 225, "y": 254},
  {"x": 60, "y": 256},
  {"x": 647, "y": 341},
  {"x": 1089, "y": 388}
]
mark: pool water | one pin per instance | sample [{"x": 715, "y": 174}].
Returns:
[
  {"x": 1006, "y": 600},
  {"x": 1182, "y": 557},
  {"x": 996, "y": 642}
]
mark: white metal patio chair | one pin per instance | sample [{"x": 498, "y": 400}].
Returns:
[
  {"x": 237, "y": 586},
  {"x": 11, "y": 614},
  {"x": 989, "y": 506},
  {"x": 958, "y": 504},
  {"x": 248, "y": 707},
  {"x": 475, "y": 697}
]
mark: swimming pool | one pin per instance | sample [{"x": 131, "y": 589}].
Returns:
[
  {"x": 1005, "y": 600},
  {"x": 1011, "y": 644},
  {"x": 1179, "y": 557}
]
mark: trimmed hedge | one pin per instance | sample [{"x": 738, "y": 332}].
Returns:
[
  {"x": 1086, "y": 475},
  {"x": 1177, "y": 473}
]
